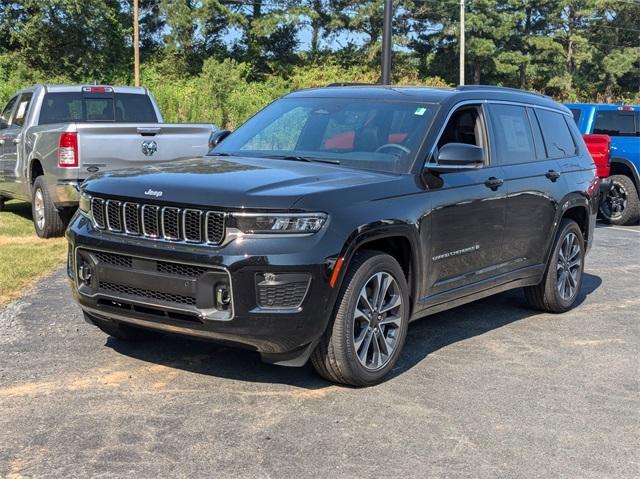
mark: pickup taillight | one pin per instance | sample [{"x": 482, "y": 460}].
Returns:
[
  {"x": 68, "y": 150},
  {"x": 600, "y": 148}
]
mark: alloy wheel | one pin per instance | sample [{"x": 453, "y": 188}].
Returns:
[
  {"x": 569, "y": 267},
  {"x": 377, "y": 321},
  {"x": 615, "y": 202},
  {"x": 39, "y": 208}
]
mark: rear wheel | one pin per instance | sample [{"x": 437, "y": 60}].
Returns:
[
  {"x": 561, "y": 285},
  {"x": 367, "y": 333},
  {"x": 621, "y": 206},
  {"x": 48, "y": 221}
]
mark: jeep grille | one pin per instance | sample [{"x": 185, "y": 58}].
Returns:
[{"x": 152, "y": 221}]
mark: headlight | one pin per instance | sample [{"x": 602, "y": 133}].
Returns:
[
  {"x": 85, "y": 203},
  {"x": 278, "y": 223}
]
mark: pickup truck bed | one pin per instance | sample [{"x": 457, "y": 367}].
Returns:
[{"x": 53, "y": 137}]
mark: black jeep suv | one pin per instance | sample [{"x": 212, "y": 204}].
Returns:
[{"x": 334, "y": 217}]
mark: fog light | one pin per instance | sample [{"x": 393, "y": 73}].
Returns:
[
  {"x": 85, "y": 273},
  {"x": 223, "y": 298}
]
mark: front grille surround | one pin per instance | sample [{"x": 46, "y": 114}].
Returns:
[{"x": 169, "y": 223}]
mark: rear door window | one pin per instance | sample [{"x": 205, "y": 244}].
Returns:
[
  {"x": 557, "y": 137},
  {"x": 615, "y": 123},
  {"x": 65, "y": 107},
  {"x": 512, "y": 134},
  {"x": 577, "y": 113},
  {"x": 5, "y": 116},
  {"x": 23, "y": 108}
]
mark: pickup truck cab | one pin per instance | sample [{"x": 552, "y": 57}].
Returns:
[
  {"x": 52, "y": 137},
  {"x": 323, "y": 225},
  {"x": 621, "y": 205}
]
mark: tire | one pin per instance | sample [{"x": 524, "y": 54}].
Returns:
[
  {"x": 554, "y": 295},
  {"x": 621, "y": 206},
  {"x": 340, "y": 352},
  {"x": 48, "y": 221},
  {"x": 120, "y": 331}
]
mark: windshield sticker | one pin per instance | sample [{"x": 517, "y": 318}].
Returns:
[{"x": 420, "y": 111}]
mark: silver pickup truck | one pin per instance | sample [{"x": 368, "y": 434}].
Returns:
[{"x": 52, "y": 137}]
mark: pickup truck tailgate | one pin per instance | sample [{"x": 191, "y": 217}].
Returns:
[{"x": 112, "y": 146}]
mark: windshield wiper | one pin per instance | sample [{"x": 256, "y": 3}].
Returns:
[{"x": 305, "y": 158}]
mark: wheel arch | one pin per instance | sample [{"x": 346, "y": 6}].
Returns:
[
  {"x": 574, "y": 206},
  {"x": 623, "y": 166},
  {"x": 400, "y": 240},
  {"x": 35, "y": 169}
]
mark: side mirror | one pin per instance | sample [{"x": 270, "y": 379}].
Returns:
[
  {"x": 458, "y": 157},
  {"x": 217, "y": 136}
]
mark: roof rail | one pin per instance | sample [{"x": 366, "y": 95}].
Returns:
[
  {"x": 500, "y": 88},
  {"x": 351, "y": 84}
]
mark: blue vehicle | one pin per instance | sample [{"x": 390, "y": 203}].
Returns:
[{"x": 621, "y": 206}]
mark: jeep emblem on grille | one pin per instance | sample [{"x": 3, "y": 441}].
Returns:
[
  {"x": 149, "y": 147},
  {"x": 155, "y": 193}
]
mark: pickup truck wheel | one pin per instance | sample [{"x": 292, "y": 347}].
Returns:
[
  {"x": 367, "y": 332},
  {"x": 562, "y": 281},
  {"x": 120, "y": 331},
  {"x": 48, "y": 221},
  {"x": 621, "y": 206}
]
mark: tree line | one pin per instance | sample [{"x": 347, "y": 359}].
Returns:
[{"x": 220, "y": 60}]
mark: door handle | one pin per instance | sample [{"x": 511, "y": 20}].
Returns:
[
  {"x": 494, "y": 183},
  {"x": 552, "y": 175}
]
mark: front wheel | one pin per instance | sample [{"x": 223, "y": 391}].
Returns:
[
  {"x": 561, "y": 284},
  {"x": 367, "y": 332},
  {"x": 621, "y": 206}
]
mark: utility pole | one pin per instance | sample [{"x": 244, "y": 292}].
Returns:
[
  {"x": 387, "y": 33},
  {"x": 461, "y": 80},
  {"x": 136, "y": 49}
]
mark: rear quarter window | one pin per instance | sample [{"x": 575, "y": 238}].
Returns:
[{"x": 556, "y": 134}]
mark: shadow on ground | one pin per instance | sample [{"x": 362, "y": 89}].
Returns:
[
  {"x": 425, "y": 337},
  {"x": 19, "y": 208}
]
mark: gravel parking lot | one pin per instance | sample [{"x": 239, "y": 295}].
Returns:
[{"x": 491, "y": 389}]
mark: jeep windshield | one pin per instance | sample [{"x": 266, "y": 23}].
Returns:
[{"x": 358, "y": 133}]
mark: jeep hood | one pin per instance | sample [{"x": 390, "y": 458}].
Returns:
[{"x": 230, "y": 182}]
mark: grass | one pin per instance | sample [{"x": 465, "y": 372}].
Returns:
[{"x": 24, "y": 258}]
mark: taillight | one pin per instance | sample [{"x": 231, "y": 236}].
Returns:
[{"x": 68, "y": 150}]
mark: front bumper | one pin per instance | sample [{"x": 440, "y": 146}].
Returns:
[{"x": 281, "y": 334}]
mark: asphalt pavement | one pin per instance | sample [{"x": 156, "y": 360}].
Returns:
[{"x": 490, "y": 389}]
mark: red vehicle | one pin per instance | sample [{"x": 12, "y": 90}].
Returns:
[{"x": 600, "y": 148}]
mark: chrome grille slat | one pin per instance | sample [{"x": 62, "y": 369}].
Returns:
[
  {"x": 131, "y": 215},
  {"x": 114, "y": 216},
  {"x": 192, "y": 225},
  {"x": 150, "y": 223},
  {"x": 161, "y": 223},
  {"x": 97, "y": 210},
  {"x": 171, "y": 223},
  {"x": 215, "y": 227}
]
